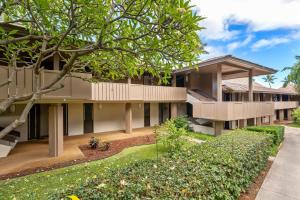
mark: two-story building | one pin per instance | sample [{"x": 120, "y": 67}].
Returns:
[{"x": 217, "y": 94}]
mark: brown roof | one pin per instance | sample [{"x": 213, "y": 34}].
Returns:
[{"x": 241, "y": 85}]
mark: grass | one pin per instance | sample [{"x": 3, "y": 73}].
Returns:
[
  {"x": 201, "y": 136},
  {"x": 39, "y": 185},
  {"x": 294, "y": 125}
]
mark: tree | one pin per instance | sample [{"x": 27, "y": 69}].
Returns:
[
  {"x": 294, "y": 74},
  {"x": 112, "y": 38},
  {"x": 270, "y": 78}
]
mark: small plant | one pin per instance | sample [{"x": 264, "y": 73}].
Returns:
[
  {"x": 94, "y": 142},
  {"x": 181, "y": 122},
  {"x": 104, "y": 146},
  {"x": 296, "y": 116},
  {"x": 172, "y": 136}
]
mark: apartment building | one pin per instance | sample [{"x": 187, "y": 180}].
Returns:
[
  {"x": 222, "y": 95},
  {"x": 217, "y": 94}
]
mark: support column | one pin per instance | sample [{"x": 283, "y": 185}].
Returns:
[
  {"x": 219, "y": 83},
  {"x": 233, "y": 124},
  {"x": 250, "y": 94},
  {"x": 271, "y": 120},
  {"x": 242, "y": 123},
  {"x": 128, "y": 118},
  {"x": 173, "y": 110},
  {"x": 281, "y": 115},
  {"x": 289, "y": 114},
  {"x": 258, "y": 121},
  {"x": 56, "y": 61},
  {"x": 56, "y": 136},
  {"x": 218, "y": 126}
]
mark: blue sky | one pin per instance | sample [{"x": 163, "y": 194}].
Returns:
[{"x": 266, "y": 32}]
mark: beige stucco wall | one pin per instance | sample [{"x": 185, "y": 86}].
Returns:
[
  {"x": 154, "y": 120},
  {"x": 44, "y": 120},
  {"x": 181, "y": 109},
  {"x": 75, "y": 119},
  {"x": 138, "y": 115},
  {"x": 109, "y": 117}
]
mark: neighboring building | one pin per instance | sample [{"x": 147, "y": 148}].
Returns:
[
  {"x": 213, "y": 95},
  {"x": 222, "y": 95}
]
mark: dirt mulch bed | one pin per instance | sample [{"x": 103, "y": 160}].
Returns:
[
  {"x": 252, "y": 191},
  {"x": 115, "y": 147}
]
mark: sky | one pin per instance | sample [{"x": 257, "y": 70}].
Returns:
[{"x": 266, "y": 32}]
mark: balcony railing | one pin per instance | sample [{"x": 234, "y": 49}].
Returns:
[
  {"x": 225, "y": 111},
  {"x": 76, "y": 88},
  {"x": 285, "y": 104}
]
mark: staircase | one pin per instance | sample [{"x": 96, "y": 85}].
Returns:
[{"x": 8, "y": 142}]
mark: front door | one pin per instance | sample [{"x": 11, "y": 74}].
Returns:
[
  {"x": 146, "y": 114},
  {"x": 88, "y": 118},
  {"x": 34, "y": 122}
]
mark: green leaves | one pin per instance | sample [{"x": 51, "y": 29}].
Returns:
[
  {"x": 294, "y": 75},
  {"x": 218, "y": 169}
]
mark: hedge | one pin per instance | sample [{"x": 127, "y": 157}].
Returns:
[
  {"x": 218, "y": 169},
  {"x": 277, "y": 132}
]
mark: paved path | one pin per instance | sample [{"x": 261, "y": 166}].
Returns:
[{"x": 283, "y": 179}]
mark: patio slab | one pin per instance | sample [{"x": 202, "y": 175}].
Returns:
[{"x": 33, "y": 154}]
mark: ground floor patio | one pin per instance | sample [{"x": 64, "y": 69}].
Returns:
[{"x": 34, "y": 154}]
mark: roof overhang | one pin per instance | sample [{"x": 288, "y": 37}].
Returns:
[{"x": 232, "y": 67}]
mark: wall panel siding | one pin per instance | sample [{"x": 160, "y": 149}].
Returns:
[
  {"x": 154, "y": 114},
  {"x": 75, "y": 119}
]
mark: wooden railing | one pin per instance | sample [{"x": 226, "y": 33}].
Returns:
[
  {"x": 285, "y": 104},
  {"x": 134, "y": 92},
  {"x": 76, "y": 88},
  {"x": 225, "y": 111}
]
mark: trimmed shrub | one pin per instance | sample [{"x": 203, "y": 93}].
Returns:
[
  {"x": 296, "y": 116},
  {"x": 277, "y": 132},
  {"x": 218, "y": 169}
]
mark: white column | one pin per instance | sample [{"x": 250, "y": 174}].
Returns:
[
  {"x": 128, "y": 118},
  {"x": 56, "y": 136}
]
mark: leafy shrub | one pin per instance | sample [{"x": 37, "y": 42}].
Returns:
[
  {"x": 181, "y": 122},
  {"x": 296, "y": 116},
  {"x": 219, "y": 169},
  {"x": 277, "y": 132},
  {"x": 94, "y": 142},
  {"x": 172, "y": 136}
]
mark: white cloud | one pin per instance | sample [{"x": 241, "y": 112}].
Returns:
[
  {"x": 275, "y": 41},
  {"x": 260, "y": 15},
  {"x": 238, "y": 44},
  {"x": 213, "y": 51}
]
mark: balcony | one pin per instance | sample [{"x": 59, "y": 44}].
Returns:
[
  {"x": 278, "y": 105},
  {"x": 76, "y": 88},
  {"x": 226, "y": 111}
]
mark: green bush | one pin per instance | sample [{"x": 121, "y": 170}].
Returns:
[
  {"x": 171, "y": 135},
  {"x": 181, "y": 122},
  {"x": 218, "y": 169},
  {"x": 296, "y": 116},
  {"x": 277, "y": 132}
]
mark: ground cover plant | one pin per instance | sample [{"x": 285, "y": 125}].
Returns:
[{"x": 219, "y": 169}]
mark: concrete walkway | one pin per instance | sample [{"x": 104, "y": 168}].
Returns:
[{"x": 283, "y": 179}]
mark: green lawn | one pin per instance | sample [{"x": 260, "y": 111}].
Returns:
[
  {"x": 201, "y": 136},
  {"x": 39, "y": 185},
  {"x": 294, "y": 125}
]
